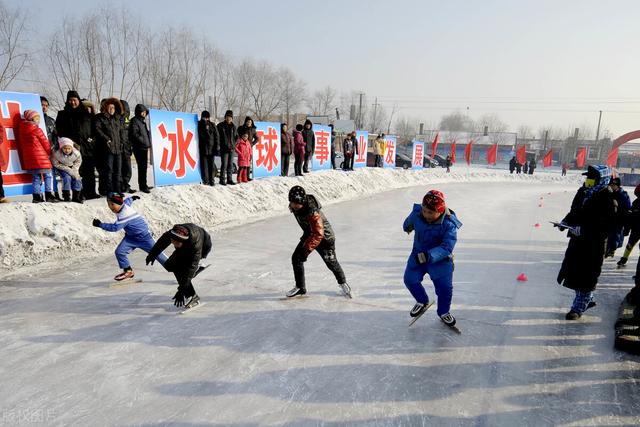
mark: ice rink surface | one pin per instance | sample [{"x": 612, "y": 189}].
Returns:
[{"x": 75, "y": 352}]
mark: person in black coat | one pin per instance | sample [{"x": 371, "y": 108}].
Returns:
[
  {"x": 310, "y": 144},
  {"x": 192, "y": 243},
  {"x": 140, "y": 140},
  {"x": 512, "y": 164},
  {"x": 209, "y": 148},
  {"x": 74, "y": 122},
  {"x": 286, "y": 148},
  {"x": 108, "y": 128},
  {"x": 592, "y": 214},
  {"x": 532, "y": 166},
  {"x": 347, "y": 152},
  {"x": 228, "y": 135},
  {"x": 127, "y": 149}
]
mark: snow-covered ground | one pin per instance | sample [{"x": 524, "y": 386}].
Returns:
[
  {"x": 76, "y": 352},
  {"x": 62, "y": 233}
]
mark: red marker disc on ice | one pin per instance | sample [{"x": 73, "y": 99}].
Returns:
[
  {"x": 522, "y": 277},
  {"x": 536, "y": 225}
]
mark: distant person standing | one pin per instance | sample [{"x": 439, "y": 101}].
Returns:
[
  {"x": 140, "y": 139},
  {"x": 286, "y": 148},
  {"x": 347, "y": 151},
  {"x": 298, "y": 149},
  {"x": 310, "y": 144},
  {"x": 208, "y": 140},
  {"x": 512, "y": 164},
  {"x": 379, "y": 149},
  {"x": 333, "y": 147},
  {"x": 532, "y": 166},
  {"x": 565, "y": 166},
  {"x": 525, "y": 167},
  {"x": 228, "y": 136},
  {"x": 250, "y": 128},
  {"x": 448, "y": 163},
  {"x": 52, "y": 136}
]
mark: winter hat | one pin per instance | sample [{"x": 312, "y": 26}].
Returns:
[
  {"x": 229, "y": 113},
  {"x": 205, "y": 115},
  {"x": 598, "y": 172},
  {"x": 179, "y": 232},
  {"x": 299, "y": 127},
  {"x": 62, "y": 141},
  {"x": 117, "y": 198},
  {"x": 616, "y": 181},
  {"x": 297, "y": 195},
  {"x": 636, "y": 192},
  {"x": 434, "y": 200},
  {"x": 31, "y": 115},
  {"x": 72, "y": 94}
]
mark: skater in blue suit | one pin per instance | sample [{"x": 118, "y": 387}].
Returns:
[
  {"x": 136, "y": 232},
  {"x": 435, "y": 230}
]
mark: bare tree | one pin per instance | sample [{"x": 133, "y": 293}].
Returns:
[
  {"x": 292, "y": 92},
  {"x": 456, "y": 121},
  {"x": 322, "y": 102},
  {"x": 524, "y": 132},
  {"x": 13, "y": 51},
  {"x": 66, "y": 64},
  {"x": 406, "y": 127},
  {"x": 260, "y": 84}
]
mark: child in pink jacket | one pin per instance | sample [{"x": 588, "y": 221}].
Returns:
[{"x": 243, "y": 149}]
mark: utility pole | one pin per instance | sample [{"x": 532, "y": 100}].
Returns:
[
  {"x": 598, "y": 130},
  {"x": 375, "y": 115},
  {"x": 359, "y": 122}
]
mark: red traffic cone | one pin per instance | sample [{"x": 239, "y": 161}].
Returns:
[{"x": 522, "y": 277}]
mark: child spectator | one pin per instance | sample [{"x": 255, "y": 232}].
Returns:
[
  {"x": 34, "y": 151},
  {"x": 66, "y": 161},
  {"x": 298, "y": 149},
  {"x": 436, "y": 231},
  {"x": 136, "y": 232},
  {"x": 243, "y": 150}
]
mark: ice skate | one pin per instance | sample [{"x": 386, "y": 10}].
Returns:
[
  {"x": 346, "y": 290},
  {"x": 573, "y": 315},
  {"x": 450, "y": 321},
  {"x": 418, "y": 310},
  {"x": 125, "y": 275},
  {"x": 622, "y": 262},
  {"x": 191, "y": 304},
  {"x": 296, "y": 292}
]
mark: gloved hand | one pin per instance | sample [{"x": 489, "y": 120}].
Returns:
[
  {"x": 423, "y": 257},
  {"x": 178, "y": 299},
  {"x": 96, "y": 222},
  {"x": 150, "y": 259},
  {"x": 135, "y": 197},
  {"x": 576, "y": 232}
]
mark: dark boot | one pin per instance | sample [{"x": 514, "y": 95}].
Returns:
[
  {"x": 57, "y": 195},
  {"x": 48, "y": 197},
  {"x": 76, "y": 197},
  {"x": 37, "y": 198},
  {"x": 66, "y": 195}
]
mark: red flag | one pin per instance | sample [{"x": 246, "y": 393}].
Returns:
[
  {"x": 492, "y": 154},
  {"x": 434, "y": 146},
  {"x": 467, "y": 152},
  {"x": 521, "y": 154},
  {"x": 581, "y": 156},
  {"x": 548, "y": 158},
  {"x": 612, "y": 158},
  {"x": 453, "y": 152}
]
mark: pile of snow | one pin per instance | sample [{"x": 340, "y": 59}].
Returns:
[{"x": 33, "y": 234}]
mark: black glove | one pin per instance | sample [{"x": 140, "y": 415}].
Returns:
[
  {"x": 423, "y": 257},
  {"x": 178, "y": 299},
  {"x": 150, "y": 259},
  {"x": 96, "y": 222},
  {"x": 135, "y": 197}
]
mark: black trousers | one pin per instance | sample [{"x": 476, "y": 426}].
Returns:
[
  {"x": 207, "y": 168},
  {"x": 226, "y": 167},
  {"x": 112, "y": 178},
  {"x": 346, "y": 165},
  {"x": 175, "y": 264},
  {"x": 307, "y": 159},
  {"x": 297, "y": 164},
  {"x": 142, "y": 159},
  {"x": 327, "y": 250},
  {"x": 125, "y": 170},
  {"x": 88, "y": 174},
  {"x": 285, "y": 164},
  {"x": 333, "y": 159}
]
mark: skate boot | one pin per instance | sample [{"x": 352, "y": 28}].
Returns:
[
  {"x": 346, "y": 290},
  {"x": 622, "y": 262},
  {"x": 296, "y": 292},
  {"x": 419, "y": 308},
  {"x": 448, "y": 319},
  {"x": 573, "y": 315},
  {"x": 193, "y": 301},
  {"x": 126, "y": 274}
]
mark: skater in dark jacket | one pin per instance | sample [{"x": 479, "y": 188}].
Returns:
[
  {"x": 317, "y": 235},
  {"x": 631, "y": 227},
  {"x": 435, "y": 230},
  {"x": 615, "y": 238},
  {"x": 592, "y": 213},
  {"x": 192, "y": 243}
]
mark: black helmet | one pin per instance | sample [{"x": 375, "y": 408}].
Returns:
[{"x": 297, "y": 194}]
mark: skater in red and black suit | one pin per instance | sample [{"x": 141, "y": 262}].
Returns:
[
  {"x": 317, "y": 235},
  {"x": 192, "y": 243}
]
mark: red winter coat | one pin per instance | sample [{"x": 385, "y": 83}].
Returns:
[
  {"x": 33, "y": 147},
  {"x": 243, "y": 149},
  {"x": 298, "y": 143}
]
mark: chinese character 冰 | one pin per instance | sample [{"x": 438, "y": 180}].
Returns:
[{"x": 179, "y": 150}]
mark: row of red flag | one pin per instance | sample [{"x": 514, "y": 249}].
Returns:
[{"x": 521, "y": 154}]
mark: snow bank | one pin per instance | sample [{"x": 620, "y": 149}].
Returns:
[{"x": 33, "y": 234}]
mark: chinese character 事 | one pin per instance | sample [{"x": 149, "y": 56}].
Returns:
[
  {"x": 267, "y": 147},
  {"x": 322, "y": 146},
  {"x": 417, "y": 160},
  {"x": 362, "y": 149},
  {"x": 179, "y": 150},
  {"x": 390, "y": 152}
]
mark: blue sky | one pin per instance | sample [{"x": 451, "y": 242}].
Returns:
[{"x": 531, "y": 62}]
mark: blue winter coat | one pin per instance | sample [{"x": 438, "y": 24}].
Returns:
[
  {"x": 135, "y": 227},
  {"x": 436, "y": 239}
]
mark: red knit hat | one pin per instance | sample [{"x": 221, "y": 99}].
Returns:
[
  {"x": 31, "y": 115},
  {"x": 434, "y": 200}
]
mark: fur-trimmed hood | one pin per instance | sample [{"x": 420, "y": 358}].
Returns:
[{"x": 116, "y": 102}]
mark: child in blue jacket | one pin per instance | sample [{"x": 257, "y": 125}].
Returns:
[
  {"x": 136, "y": 232},
  {"x": 436, "y": 229}
]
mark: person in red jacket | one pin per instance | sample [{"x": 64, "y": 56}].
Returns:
[
  {"x": 243, "y": 150},
  {"x": 34, "y": 151},
  {"x": 298, "y": 149}
]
